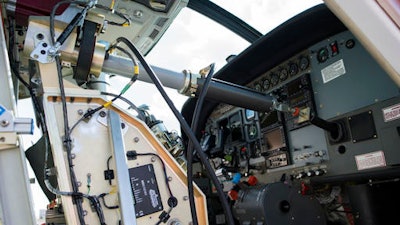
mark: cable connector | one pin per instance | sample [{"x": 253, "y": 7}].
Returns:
[
  {"x": 131, "y": 155},
  {"x": 90, "y": 112},
  {"x": 164, "y": 217}
]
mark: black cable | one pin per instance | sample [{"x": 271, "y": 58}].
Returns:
[
  {"x": 67, "y": 142},
  {"x": 53, "y": 13},
  {"x": 164, "y": 170},
  {"x": 14, "y": 65},
  {"x": 108, "y": 169},
  {"x": 133, "y": 80},
  {"x": 105, "y": 204},
  {"x": 126, "y": 22},
  {"x": 189, "y": 157},
  {"x": 185, "y": 127},
  {"x": 67, "y": 138},
  {"x": 141, "y": 114}
]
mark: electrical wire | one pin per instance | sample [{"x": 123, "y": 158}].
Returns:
[
  {"x": 141, "y": 114},
  {"x": 126, "y": 22},
  {"x": 163, "y": 167},
  {"x": 185, "y": 127},
  {"x": 127, "y": 86},
  {"x": 105, "y": 204},
  {"x": 190, "y": 150},
  {"x": 67, "y": 138},
  {"x": 14, "y": 65}
]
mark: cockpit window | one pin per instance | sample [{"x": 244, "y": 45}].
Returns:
[{"x": 195, "y": 41}]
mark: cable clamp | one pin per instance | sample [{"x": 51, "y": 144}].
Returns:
[{"x": 190, "y": 84}]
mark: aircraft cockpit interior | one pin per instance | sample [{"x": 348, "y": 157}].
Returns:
[{"x": 301, "y": 127}]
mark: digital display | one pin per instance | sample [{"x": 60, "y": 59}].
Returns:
[{"x": 274, "y": 139}]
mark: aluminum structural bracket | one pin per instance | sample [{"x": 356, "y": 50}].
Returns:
[{"x": 11, "y": 126}]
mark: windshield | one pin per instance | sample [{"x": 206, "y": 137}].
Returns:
[{"x": 193, "y": 42}]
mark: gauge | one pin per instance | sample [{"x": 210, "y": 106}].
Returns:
[
  {"x": 283, "y": 74},
  {"x": 350, "y": 43},
  {"x": 258, "y": 87},
  {"x": 293, "y": 69},
  {"x": 252, "y": 131},
  {"x": 274, "y": 79},
  {"x": 266, "y": 84},
  {"x": 304, "y": 62},
  {"x": 322, "y": 55}
]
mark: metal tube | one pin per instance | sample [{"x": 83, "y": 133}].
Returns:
[
  {"x": 236, "y": 95},
  {"x": 218, "y": 90},
  {"x": 124, "y": 67}
]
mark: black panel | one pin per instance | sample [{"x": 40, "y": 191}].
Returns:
[
  {"x": 145, "y": 190},
  {"x": 362, "y": 126}
]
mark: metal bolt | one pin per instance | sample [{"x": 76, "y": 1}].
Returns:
[
  {"x": 79, "y": 183},
  {"x": 40, "y": 36},
  {"x": 136, "y": 139},
  {"x": 169, "y": 178},
  {"x": 153, "y": 159},
  {"x": 138, "y": 13},
  {"x": 85, "y": 213},
  {"x": 185, "y": 198},
  {"x": 4, "y": 123},
  {"x": 102, "y": 113},
  {"x": 73, "y": 156},
  {"x": 80, "y": 112}
]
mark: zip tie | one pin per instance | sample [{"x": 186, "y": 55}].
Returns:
[
  {"x": 136, "y": 70},
  {"x": 107, "y": 104}
]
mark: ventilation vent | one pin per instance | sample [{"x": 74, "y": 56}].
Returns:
[{"x": 154, "y": 34}]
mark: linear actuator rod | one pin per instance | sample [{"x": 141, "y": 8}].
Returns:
[{"x": 191, "y": 85}]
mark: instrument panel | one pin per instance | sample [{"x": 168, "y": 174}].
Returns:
[{"x": 342, "y": 95}]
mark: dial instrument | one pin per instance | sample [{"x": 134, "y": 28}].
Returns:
[
  {"x": 283, "y": 74},
  {"x": 304, "y": 62},
  {"x": 274, "y": 79},
  {"x": 293, "y": 69},
  {"x": 266, "y": 84}
]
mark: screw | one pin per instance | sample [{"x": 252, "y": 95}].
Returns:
[
  {"x": 80, "y": 112},
  {"x": 169, "y": 178},
  {"x": 153, "y": 159},
  {"x": 4, "y": 123},
  {"x": 136, "y": 139},
  {"x": 138, "y": 13},
  {"x": 185, "y": 198},
  {"x": 73, "y": 156},
  {"x": 102, "y": 113},
  {"x": 39, "y": 36}
]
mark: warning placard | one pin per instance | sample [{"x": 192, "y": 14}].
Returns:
[
  {"x": 370, "y": 160},
  {"x": 391, "y": 113}
]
